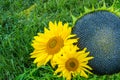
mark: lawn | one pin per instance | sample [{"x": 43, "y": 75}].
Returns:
[{"x": 21, "y": 20}]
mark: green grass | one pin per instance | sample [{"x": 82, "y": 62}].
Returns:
[{"x": 17, "y": 29}]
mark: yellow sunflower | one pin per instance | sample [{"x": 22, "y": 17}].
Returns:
[
  {"x": 73, "y": 62},
  {"x": 49, "y": 43}
]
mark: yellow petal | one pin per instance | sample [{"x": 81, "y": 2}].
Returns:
[
  {"x": 84, "y": 74},
  {"x": 86, "y": 66},
  {"x": 40, "y": 58},
  {"x": 86, "y": 59},
  {"x": 87, "y": 70},
  {"x": 46, "y": 30}
]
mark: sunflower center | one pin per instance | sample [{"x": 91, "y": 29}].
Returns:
[
  {"x": 71, "y": 64},
  {"x": 54, "y": 45}
]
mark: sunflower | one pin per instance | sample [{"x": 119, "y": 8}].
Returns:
[
  {"x": 46, "y": 45},
  {"x": 73, "y": 62},
  {"x": 98, "y": 28}
]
